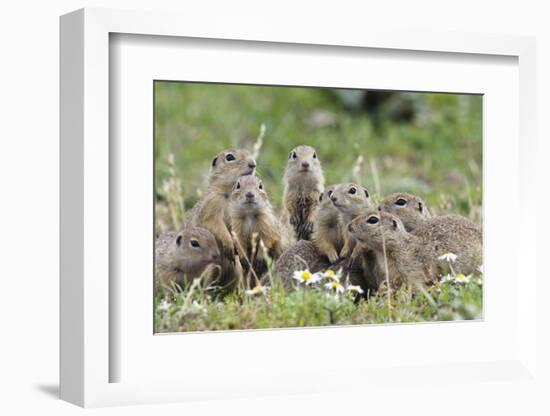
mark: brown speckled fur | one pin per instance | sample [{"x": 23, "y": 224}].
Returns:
[
  {"x": 302, "y": 189},
  {"x": 450, "y": 233},
  {"x": 248, "y": 219}
]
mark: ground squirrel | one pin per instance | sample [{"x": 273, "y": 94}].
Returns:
[
  {"x": 182, "y": 256},
  {"x": 451, "y": 233},
  {"x": 305, "y": 254},
  {"x": 410, "y": 209},
  {"x": 328, "y": 230},
  {"x": 210, "y": 211},
  {"x": 351, "y": 200},
  {"x": 301, "y": 255},
  {"x": 404, "y": 255},
  {"x": 303, "y": 185},
  {"x": 252, "y": 221}
]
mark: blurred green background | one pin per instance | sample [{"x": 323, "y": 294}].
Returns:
[{"x": 424, "y": 143}]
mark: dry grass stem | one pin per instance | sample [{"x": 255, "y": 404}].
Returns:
[
  {"x": 375, "y": 176},
  {"x": 259, "y": 141}
]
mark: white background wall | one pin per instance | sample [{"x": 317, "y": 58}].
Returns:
[{"x": 29, "y": 184}]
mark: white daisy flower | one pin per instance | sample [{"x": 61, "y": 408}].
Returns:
[
  {"x": 460, "y": 278},
  {"x": 448, "y": 257},
  {"x": 196, "y": 305},
  {"x": 258, "y": 290},
  {"x": 331, "y": 274},
  {"x": 448, "y": 278},
  {"x": 354, "y": 288},
  {"x": 164, "y": 305},
  {"x": 306, "y": 277},
  {"x": 334, "y": 285}
]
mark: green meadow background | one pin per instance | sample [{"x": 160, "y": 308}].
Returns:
[{"x": 435, "y": 152}]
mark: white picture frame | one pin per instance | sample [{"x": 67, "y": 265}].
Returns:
[{"x": 87, "y": 303}]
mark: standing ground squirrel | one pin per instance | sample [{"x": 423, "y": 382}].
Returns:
[
  {"x": 210, "y": 211},
  {"x": 328, "y": 233},
  {"x": 405, "y": 256},
  {"x": 451, "y": 233},
  {"x": 252, "y": 221},
  {"x": 303, "y": 185},
  {"x": 181, "y": 257}
]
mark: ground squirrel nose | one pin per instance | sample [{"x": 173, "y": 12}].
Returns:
[
  {"x": 252, "y": 165},
  {"x": 249, "y": 195},
  {"x": 305, "y": 165}
]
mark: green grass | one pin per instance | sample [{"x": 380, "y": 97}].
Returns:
[
  {"x": 315, "y": 306},
  {"x": 437, "y": 154}
]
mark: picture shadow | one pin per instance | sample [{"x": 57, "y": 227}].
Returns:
[{"x": 51, "y": 390}]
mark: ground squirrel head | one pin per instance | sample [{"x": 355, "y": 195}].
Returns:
[
  {"x": 325, "y": 203},
  {"x": 350, "y": 199},
  {"x": 303, "y": 165},
  {"x": 248, "y": 195},
  {"x": 374, "y": 228},
  {"x": 195, "y": 249},
  {"x": 228, "y": 165},
  {"x": 410, "y": 209}
]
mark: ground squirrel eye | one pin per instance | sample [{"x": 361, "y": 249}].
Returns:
[
  {"x": 314, "y": 155},
  {"x": 292, "y": 155},
  {"x": 261, "y": 186},
  {"x": 400, "y": 202},
  {"x": 178, "y": 240},
  {"x": 394, "y": 223},
  {"x": 238, "y": 185},
  {"x": 352, "y": 190},
  {"x": 373, "y": 220},
  {"x": 229, "y": 157},
  {"x": 329, "y": 194},
  {"x": 194, "y": 243}
]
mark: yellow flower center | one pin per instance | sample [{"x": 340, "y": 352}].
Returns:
[
  {"x": 306, "y": 275},
  {"x": 330, "y": 273}
]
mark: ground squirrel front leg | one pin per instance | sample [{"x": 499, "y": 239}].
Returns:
[
  {"x": 308, "y": 228},
  {"x": 226, "y": 240},
  {"x": 349, "y": 246},
  {"x": 328, "y": 249}
]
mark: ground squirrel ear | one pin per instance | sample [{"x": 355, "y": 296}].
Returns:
[
  {"x": 178, "y": 240},
  {"x": 214, "y": 161},
  {"x": 420, "y": 207}
]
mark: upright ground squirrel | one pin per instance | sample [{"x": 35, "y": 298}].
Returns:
[
  {"x": 303, "y": 185},
  {"x": 253, "y": 223}
]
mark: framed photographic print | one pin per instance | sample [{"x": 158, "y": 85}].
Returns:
[{"x": 289, "y": 213}]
